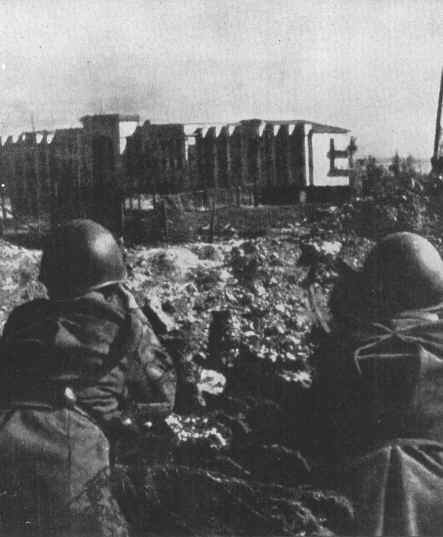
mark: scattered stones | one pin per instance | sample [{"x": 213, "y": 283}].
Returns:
[{"x": 236, "y": 320}]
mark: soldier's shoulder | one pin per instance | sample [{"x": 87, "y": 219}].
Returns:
[
  {"x": 28, "y": 311},
  {"x": 33, "y": 306}
]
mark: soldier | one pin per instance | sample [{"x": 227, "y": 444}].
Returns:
[
  {"x": 73, "y": 369},
  {"x": 381, "y": 387}
]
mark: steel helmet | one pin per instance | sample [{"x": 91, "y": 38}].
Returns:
[
  {"x": 403, "y": 271},
  {"x": 78, "y": 257}
]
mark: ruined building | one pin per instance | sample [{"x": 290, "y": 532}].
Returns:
[
  {"x": 90, "y": 170},
  {"x": 255, "y": 153},
  {"x": 69, "y": 173}
]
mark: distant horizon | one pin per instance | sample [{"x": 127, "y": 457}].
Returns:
[{"x": 361, "y": 153}]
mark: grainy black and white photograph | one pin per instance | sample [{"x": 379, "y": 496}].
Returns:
[{"x": 221, "y": 274}]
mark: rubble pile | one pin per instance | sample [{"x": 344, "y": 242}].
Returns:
[
  {"x": 238, "y": 317},
  {"x": 18, "y": 277}
]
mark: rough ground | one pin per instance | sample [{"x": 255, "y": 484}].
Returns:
[{"x": 237, "y": 315}]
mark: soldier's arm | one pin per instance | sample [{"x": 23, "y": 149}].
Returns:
[{"x": 151, "y": 375}]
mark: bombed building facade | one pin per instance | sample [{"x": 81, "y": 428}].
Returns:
[
  {"x": 67, "y": 173},
  {"x": 251, "y": 153},
  {"x": 92, "y": 169}
]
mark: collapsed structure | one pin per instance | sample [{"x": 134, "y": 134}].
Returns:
[
  {"x": 258, "y": 153},
  {"x": 91, "y": 170},
  {"x": 67, "y": 173}
]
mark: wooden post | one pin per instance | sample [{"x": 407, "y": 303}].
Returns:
[
  {"x": 288, "y": 172},
  {"x": 54, "y": 177},
  {"x": 292, "y": 156},
  {"x": 258, "y": 174},
  {"x": 204, "y": 165},
  {"x": 331, "y": 155},
  {"x": 273, "y": 159},
  {"x": 79, "y": 158},
  {"x": 215, "y": 164},
  {"x": 50, "y": 186},
  {"x": 164, "y": 216},
  {"x": 3, "y": 222},
  {"x": 182, "y": 162},
  {"x": 212, "y": 223},
  {"x": 310, "y": 159},
  {"x": 197, "y": 184},
  {"x": 228, "y": 157},
  {"x": 156, "y": 160},
  {"x": 37, "y": 185},
  {"x": 244, "y": 176},
  {"x": 142, "y": 172},
  {"x": 14, "y": 180},
  {"x": 214, "y": 159},
  {"x": 24, "y": 178},
  {"x": 3, "y": 202}
]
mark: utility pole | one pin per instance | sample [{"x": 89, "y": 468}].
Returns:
[
  {"x": 437, "y": 158},
  {"x": 3, "y": 204}
]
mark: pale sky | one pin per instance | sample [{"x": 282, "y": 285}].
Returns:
[{"x": 372, "y": 66}]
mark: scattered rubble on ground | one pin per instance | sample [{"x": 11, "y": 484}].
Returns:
[
  {"x": 237, "y": 317},
  {"x": 18, "y": 277}
]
